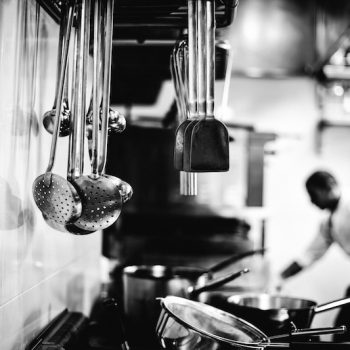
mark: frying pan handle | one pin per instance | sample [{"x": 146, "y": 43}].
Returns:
[
  {"x": 311, "y": 331},
  {"x": 194, "y": 291},
  {"x": 319, "y": 346},
  {"x": 331, "y": 305},
  {"x": 222, "y": 264},
  {"x": 302, "y": 332}
]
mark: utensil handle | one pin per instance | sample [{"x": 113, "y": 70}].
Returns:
[
  {"x": 65, "y": 45},
  {"x": 176, "y": 87},
  {"x": 227, "y": 82},
  {"x": 188, "y": 183},
  {"x": 192, "y": 58},
  {"x": 311, "y": 331},
  {"x": 79, "y": 113},
  {"x": 201, "y": 58},
  {"x": 95, "y": 90},
  {"x": 73, "y": 170},
  {"x": 304, "y": 332},
  {"x": 319, "y": 346},
  {"x": 180, "y": 57},
  {"x": 106, "y": 83},
  {"x": 210, "y": 64},
  {"x": 331, "y": 305},
  {"x": 222, "y": 264},
  {"x": 194, "y": 291},
  {"x": 61, "y": 35}
]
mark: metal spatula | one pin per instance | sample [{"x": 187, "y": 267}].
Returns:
[
  {"x": 192, "y": 87},
  {"x": 209, "y": 148}
]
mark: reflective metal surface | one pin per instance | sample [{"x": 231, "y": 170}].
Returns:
[{"x": 185, "y": 324}]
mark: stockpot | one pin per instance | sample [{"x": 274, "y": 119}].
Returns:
[
  {"x": 143, "y": 284},
  {"x": 273, "y": 314}
]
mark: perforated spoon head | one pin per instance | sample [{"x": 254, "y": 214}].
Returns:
[
  {"x": 101, "y": 202},
  {"x": 56, "y": 198}
]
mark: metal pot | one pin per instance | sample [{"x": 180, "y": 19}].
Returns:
[
  {"x": 189, "y": 325},
  {"x": 143, "y": 284},
  {"x": 273, "y": 314}
]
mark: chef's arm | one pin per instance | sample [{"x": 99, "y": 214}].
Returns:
[{"x": 315, "y": 251}]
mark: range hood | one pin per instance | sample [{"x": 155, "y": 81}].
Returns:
[
  {"x": 333, "y": 41},
  {"x": 336, "y": 63}
]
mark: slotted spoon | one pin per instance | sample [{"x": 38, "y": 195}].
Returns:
[
  {"x": 101, "y": 199},
  {"x": 54, "y": 195}
]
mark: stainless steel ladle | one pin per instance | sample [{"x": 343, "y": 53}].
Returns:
[
  {"x": 54, "y": 195},
  {"x": 101, "y": 199}
]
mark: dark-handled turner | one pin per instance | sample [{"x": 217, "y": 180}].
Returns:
[
  {"x": 209, "y": 140},
  {"x": 192, "y": 88},
  {"x": 200, "y": 77}
]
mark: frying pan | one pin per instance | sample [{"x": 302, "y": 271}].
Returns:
[
  {"x": 274, "y": 313},
  {"x": 185, "y": 324}
]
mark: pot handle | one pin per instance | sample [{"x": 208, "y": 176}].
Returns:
[
  {"x": 194, "y": 291},
  {"x": 331, "y": 305}
]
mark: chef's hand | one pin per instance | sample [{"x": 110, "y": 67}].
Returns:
[{"x": 291, "y": 270}]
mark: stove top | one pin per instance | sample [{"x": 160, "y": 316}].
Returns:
[{"x": 74, "y": 331}]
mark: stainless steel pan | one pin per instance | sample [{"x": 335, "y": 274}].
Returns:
[
  {"x": 274, "y": 313},
  {"x": 185, "y": 324}
]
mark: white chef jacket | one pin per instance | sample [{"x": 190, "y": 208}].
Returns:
[{"x": 335, "y": 228}]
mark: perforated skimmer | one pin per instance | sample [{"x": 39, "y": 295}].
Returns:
[
  {"x": 54, "y": 195},
  {"x": 101, "y": 199}
]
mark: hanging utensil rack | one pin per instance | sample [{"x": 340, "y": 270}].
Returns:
[{"x": 153, "y": 13}]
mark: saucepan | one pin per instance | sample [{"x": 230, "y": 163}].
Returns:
[
  {"x": 143, "y": 284},
  {"x": 189, "y": 325},
  {"x": 273, "y": 314}
]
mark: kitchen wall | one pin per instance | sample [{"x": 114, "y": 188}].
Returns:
[
  {"x": 288, "y": 107},
  {"x": 42, "y": 270}
]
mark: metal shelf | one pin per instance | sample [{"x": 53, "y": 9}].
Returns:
[{"x": 153, "y": 13}]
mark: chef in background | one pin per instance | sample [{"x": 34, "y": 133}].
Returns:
[{"x": 324, "y": 192}]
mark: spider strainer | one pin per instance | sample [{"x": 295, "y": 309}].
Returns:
[
  {"x": 101, "y": 198},
  {"x": 54, "y": 195}
]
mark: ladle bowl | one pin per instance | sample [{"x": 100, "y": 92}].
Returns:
[
  {"x": 116, "y": 122},
  {"x": 101, "y": 200},
  {"x": 57, "y": 198},
  {"x": 124, "y": 188},
  {"x": 49, "y": 120}
]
